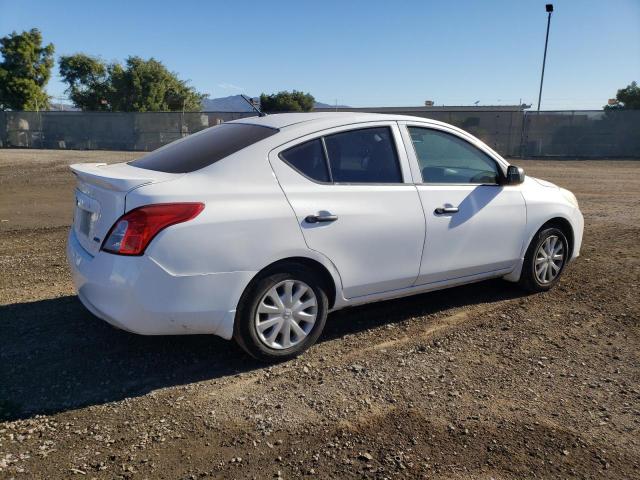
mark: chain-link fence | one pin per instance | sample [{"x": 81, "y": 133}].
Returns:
[
  {"x": 104, "y": 130},
  {"x": 582, "y": 134},
  {"x": 568, "y": 133},
  {"x": 571, "y": 134},
  {"x": 500, "y": 129}
]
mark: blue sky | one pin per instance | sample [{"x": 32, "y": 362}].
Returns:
[{"x": 360, "y": 53}]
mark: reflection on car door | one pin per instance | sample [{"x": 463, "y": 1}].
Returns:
[
  {"x": 474, "y": 225},
  {"x": 348, "y": 191}
]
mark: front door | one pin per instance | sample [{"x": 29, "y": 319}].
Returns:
[
  {"x": 475, "y": 225},
  {"x": 347, "y": 188}
]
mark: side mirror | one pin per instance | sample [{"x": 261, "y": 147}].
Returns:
[{"x": 515, "y": 175}]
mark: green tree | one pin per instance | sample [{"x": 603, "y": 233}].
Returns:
[
  {"x": 89, "y": 81},
  {"x": 138, "y": 86},
  {"x": 284, "y": 101},
  {"x": 24, "y": 71},
  {"x": 146, "y": 85},
  {"x": 627, "y": 98}
]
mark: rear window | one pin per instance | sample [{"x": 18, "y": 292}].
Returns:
[{"x": 203, "y": 148}]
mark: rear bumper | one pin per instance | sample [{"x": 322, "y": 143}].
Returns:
[{"x": 139, "y": 295}]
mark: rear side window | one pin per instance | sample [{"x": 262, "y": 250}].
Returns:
[
  {"x": 308, "y": 158},
  {"x": 367, "y": 155},
  {"x": 203, "y": 148}
]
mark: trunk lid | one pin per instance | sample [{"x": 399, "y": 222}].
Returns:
[{"x": 100, "y": 197}]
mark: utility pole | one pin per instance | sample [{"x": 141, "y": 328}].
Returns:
[{"x": 549, "y": 9}]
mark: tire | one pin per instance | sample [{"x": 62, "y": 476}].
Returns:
[
  {"x": 530, "y": 280},
  {"x": 261, "y": 296}
]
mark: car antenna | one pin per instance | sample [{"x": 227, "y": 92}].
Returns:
[{"x": 253, "y": 105}]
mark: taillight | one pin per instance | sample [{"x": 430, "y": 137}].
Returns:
[{"x": 131, "y": 234}]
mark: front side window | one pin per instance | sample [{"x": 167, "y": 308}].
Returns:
[
  {"x": 445, "y": 158},
  {"x": 366, "y": 155}
]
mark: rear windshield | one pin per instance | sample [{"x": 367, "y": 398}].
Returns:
[{"x": 203, "y": 148}]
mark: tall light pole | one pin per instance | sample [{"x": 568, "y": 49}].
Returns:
[{"x": 549, "y": 8}]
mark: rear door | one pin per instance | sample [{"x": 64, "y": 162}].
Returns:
[
  {"x": 475, "y": 225},
  {"x": 351, "y": 191}
]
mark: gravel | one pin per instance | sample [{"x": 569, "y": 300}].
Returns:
[{"x": 480, "y": 381}]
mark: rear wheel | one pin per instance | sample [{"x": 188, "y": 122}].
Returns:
[
  {"x": 545, "y": 260},
  {"x": 281, "y": 315}
]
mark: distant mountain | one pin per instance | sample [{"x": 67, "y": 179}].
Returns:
[
  {"x": 235, "y": 103},
  {"x": 62, "y": 107},
  {"x": 326, "y": 105}
]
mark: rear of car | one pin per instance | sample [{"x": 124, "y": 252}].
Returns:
[{"x": 131, "y": 256}]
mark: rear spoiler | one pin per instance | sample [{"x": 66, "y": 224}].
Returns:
[{"x": 119, "y": 177}]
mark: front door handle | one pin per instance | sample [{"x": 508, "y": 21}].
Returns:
[
  {"x": 444, "y": 210},
  {"x": 321, "y": 218}
]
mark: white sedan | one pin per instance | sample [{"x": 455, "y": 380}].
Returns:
[{"x": 257, "y": 228}]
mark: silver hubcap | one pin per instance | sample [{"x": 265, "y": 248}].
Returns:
[
  {"x": 286, "y": 314},
  {"x": 549, "y": 259}
]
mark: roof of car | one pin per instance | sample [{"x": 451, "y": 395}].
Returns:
[{"x": 283, "y": 120}]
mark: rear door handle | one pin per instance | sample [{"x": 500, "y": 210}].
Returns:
[
  {"x": 321, "y": 218},
  {"x": 444, "y": 210}
]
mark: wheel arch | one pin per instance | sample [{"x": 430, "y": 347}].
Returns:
[
  {"x": 563, "y": 225},
  {"x": 557, "y": 221},
  {"x": 328, "y": 278}
]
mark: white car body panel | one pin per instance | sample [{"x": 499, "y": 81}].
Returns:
[
  {"x": 385, "y": 243},
  {"x": 544, "y": 200},
  {"x": 484, "y": 236},
  {"x": 362, "y": 209},
  {"x": 100, "y": 197}
]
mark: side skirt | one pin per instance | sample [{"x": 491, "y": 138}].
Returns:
[{"x": 429, "y": 287}]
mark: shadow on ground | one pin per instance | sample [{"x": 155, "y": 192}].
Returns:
[{"x": 56, "y": 356}]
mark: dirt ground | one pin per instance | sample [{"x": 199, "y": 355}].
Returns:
[{"x": 479, "y": 381}]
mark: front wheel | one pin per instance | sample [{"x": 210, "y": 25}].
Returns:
[
  {"x": 545, "y": 260},
  {"x": 281, "y": 315}
]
